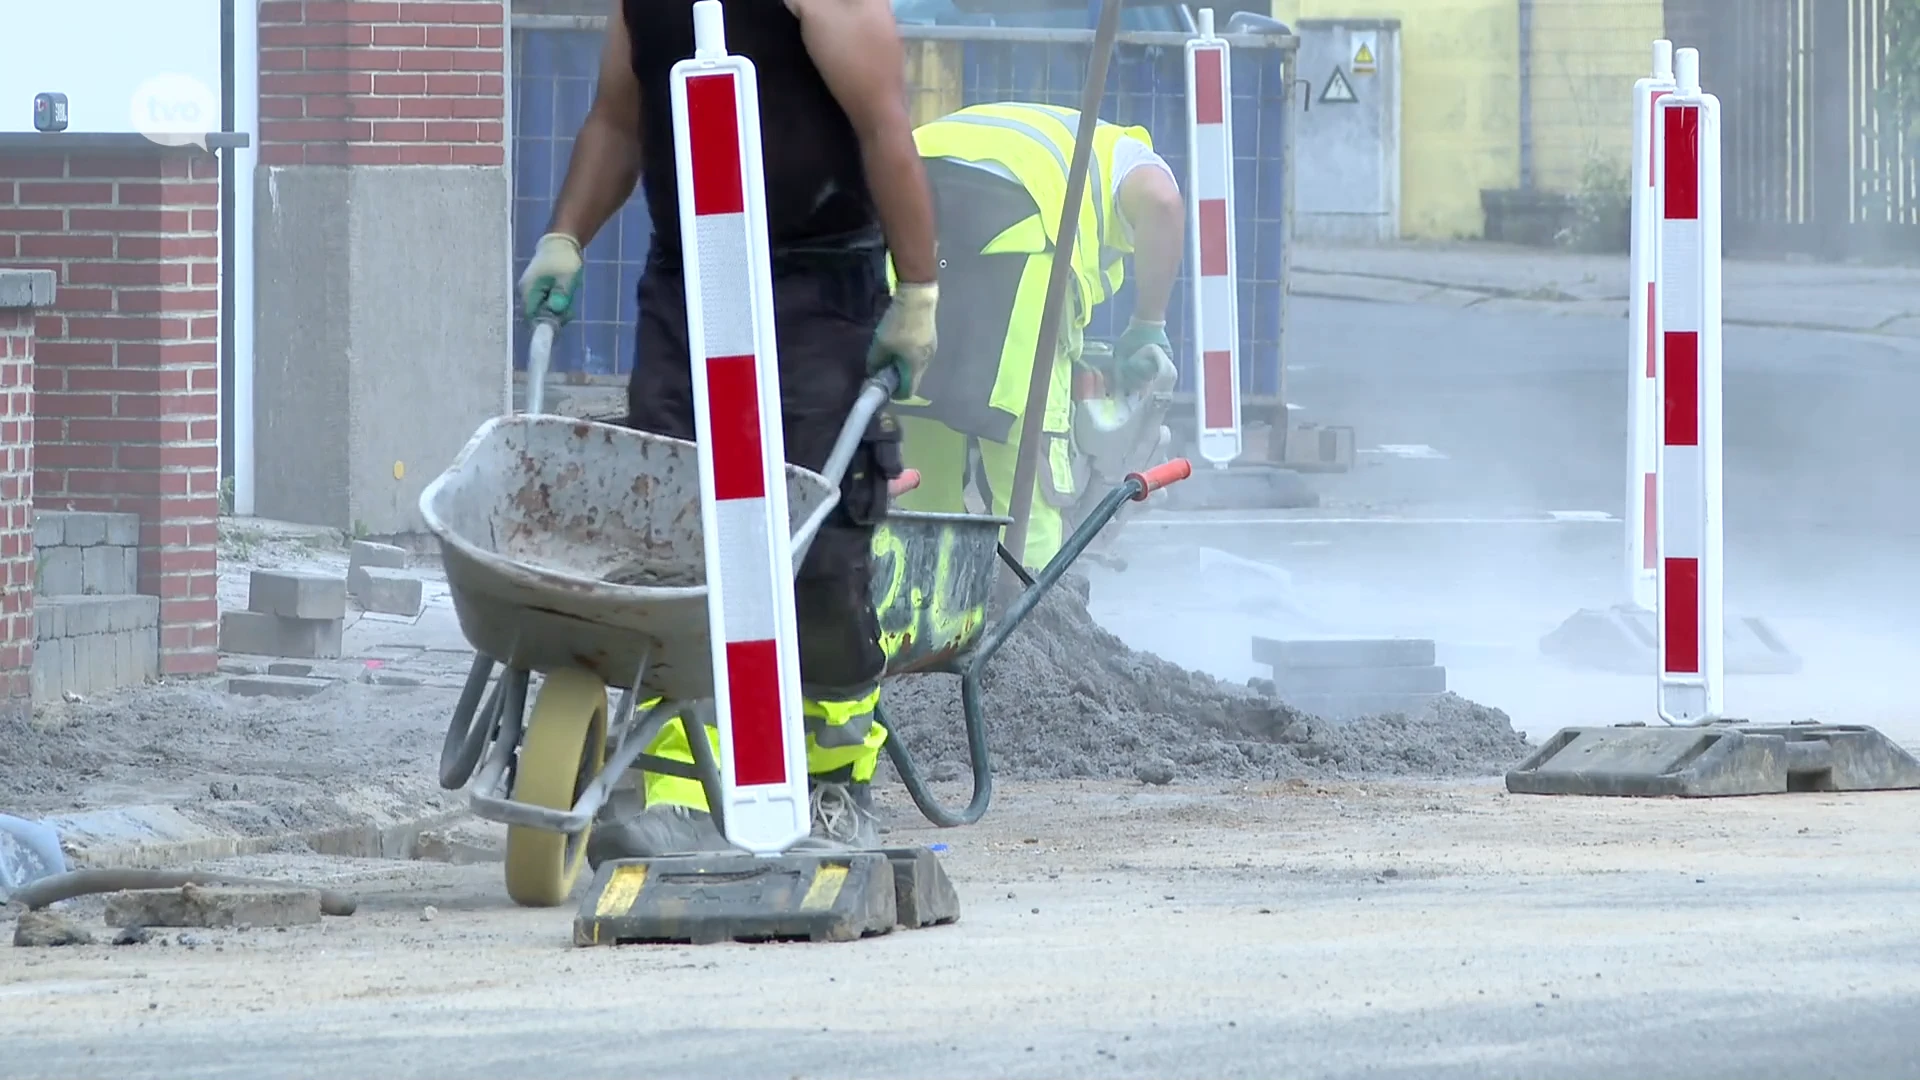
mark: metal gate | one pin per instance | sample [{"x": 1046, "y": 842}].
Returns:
[{"x": 1819, "y": 159}]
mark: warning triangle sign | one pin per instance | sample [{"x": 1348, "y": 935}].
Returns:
[
  {"x": 1339, "y": 91},
  {"x": 1363, "y": 58}
]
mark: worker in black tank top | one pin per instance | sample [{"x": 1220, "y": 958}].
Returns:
[{"x": 845, "y": 188}]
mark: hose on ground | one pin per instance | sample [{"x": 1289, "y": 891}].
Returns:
[{"x": 52, "y": 890}]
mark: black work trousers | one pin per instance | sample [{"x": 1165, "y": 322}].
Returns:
[{"x": 825, "y": 314}]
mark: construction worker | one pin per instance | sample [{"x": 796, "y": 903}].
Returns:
[
  {"x": 999, "y": 176},
  {"x": 844, "y": 186}
]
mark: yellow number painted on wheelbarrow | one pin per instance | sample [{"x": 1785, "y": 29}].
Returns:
[{"x": 932, "y": 576}]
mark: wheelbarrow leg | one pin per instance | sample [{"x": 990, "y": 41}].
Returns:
[
  {"x": 694, "y": 721},
  {"x": 467, "y": 733},
  {"x": 971, "y": 697}
]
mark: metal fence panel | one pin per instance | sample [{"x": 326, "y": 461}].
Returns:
[{"x": 948, "y": 67}]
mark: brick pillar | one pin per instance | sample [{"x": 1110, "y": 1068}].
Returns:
[
  {"x": 383, "y": 238},
  {"x": 20, "y": 293},
  {"x": 128, "y": 364}
]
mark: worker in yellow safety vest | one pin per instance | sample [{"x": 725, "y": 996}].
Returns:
[{"x": 999, "y": 176}]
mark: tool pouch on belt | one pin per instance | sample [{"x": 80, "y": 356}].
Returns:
[{"x": 863, "y": 491}]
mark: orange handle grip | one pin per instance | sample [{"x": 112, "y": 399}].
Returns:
[
  {"x": 905, "y": 482},
  {"x": 1168, "y": 472}
]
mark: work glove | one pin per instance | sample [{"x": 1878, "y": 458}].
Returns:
[
  {"x": 1136, "y": 364},
  {"x": 552, "y": 278},
  {"x": 906, "y": 339}
]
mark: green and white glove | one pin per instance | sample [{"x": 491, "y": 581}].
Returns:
[
  {"x": 552, "y": 278},
  {"x": 906, "y": 337},
  {"x": 1135, "y": 362}
]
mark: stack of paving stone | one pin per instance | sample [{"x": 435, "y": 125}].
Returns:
[
  {"x": 1341, "y": 678},
  {"x": 378, "y": 581},
  {"x": 289, "y": 613}
]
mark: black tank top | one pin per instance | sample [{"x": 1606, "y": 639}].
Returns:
[{"x": 817, "y": 194}]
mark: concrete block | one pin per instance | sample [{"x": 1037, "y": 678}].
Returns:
[
  {"x": 296, "y": 594},
  {"x": 279, "y": 686},
  {"x": 390, "y": 592},
  {"x": 134, "y": 612},
  {"x": 49, "y": 620},
  {"x": 271, "y": 635},
  {"x": 1430, "y": 679},
  {"x": 88, "y": 615},
  {"x": 49, "y": 529},
  {"x": 103, "y": 571},
  {"x": 1343, "y": 653},
  {"x": 288, "y": 669},
  {"x": 86, "y": 528},
  {"x": 123, "y": 529},
  {"x": 366, "y": 553},
  {"x": 146, "y": 644},
  {"x": 1349, "y": 706},
  {"x": 215, "y": 907},
  {"x": 60, "y": 572},
  {"x": 42, "y": 929}
]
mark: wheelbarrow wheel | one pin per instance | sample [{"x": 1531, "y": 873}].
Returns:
[{"x": 563, "y": 749}]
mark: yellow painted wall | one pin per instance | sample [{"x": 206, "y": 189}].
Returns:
[
  {"x": 1459, "y": 106},
  {"x": 1460, "y": 101},
  {"x": 1587, "y": 54}
]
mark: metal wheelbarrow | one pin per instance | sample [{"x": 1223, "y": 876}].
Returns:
[{"x": 573, "y": 549}]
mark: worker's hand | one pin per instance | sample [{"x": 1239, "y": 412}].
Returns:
[
  {"x": 1136, "y": 362},
  {"x": 552, "y": 278},
  {"x": 906, "y": 339}
]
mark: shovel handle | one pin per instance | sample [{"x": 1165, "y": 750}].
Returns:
[
  {"x": 539, "y": 358},
  {"x": 1161, "y": 475}
]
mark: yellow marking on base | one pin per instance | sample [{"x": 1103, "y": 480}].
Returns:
[
  {"x": 825, "y": 888},
  {"x": 623, "y": 888}
]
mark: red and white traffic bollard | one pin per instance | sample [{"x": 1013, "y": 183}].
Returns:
[
  {"x": 1216, "y": 299},
  {"x": 1687, "y": 321},
  {"x": 1642, "y": 439},
  {"x": 736, "y": 398}
]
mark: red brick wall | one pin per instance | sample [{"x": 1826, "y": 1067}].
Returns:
[
  {"x": 16, "y": 506},
  {"x": 410, "y": 83},
  {"x": 127, "y": 370}
]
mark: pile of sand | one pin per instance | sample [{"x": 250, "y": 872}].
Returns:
[{"x": 1067, "y": 699}]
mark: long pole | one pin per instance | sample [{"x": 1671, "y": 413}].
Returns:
[{"x": 1020, "y": 506}]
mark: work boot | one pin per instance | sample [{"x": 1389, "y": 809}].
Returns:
[
  {"x": 843, "y": 816},
  {"x": 654, "y": 832}
]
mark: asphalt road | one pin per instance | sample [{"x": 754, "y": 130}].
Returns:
[
  {"x": 1327, "y": 931},
  {"x": 1475, "y": 429}
]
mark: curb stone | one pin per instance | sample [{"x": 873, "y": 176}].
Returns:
[{"x": 374, "y": 822}]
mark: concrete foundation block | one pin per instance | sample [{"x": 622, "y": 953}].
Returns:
[
  {"x": 61, "y": 572},
  {"x": 1430, "y": 679},
  {"x": 49, "y": 529},
  {"x": 287, "y": 668},
  {"x": 368, "y": 553},
  {"x": 390, "y": 592},
  {"x": 1286, "y": 655},
  {"x": 272, "y": 635},
  {"x": 91, "y": 644},
  {"x": 294, "y": 594},
  {"x": 1350, "y": 706},
  {"x": 107, "y": 569},
  {"x": 123, "y": 530},
  {"x": 215, "y": 907},
  {"x": 86, "y": 529},
  {"x": 292, "y": 687}
]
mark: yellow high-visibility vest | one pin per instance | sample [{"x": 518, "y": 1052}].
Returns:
[{"x": 1035, "y": 144}]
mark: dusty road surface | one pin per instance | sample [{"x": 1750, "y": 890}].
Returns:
[{"x": 1384, "y": 930}]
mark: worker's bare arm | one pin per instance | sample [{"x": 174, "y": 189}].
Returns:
[
  {"x": 1151, "y": 202},
  {"x": 856, "y": 46},
  {"x": 605, "y": 164}
]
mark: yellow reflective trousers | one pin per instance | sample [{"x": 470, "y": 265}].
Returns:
[{"x": 841, "y": 736}]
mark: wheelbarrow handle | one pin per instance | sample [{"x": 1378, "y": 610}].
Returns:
[
  {"x": 539, "y": 356},
  {"x": 874, "y": 395},
  {"x": 1162, "y": 475}
]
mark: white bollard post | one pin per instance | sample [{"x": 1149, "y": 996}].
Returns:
[
  {"x": 1688, "y": 478},
  {"x": 736, "y": 401},
  {"x": 1642, "y": 573},
  {"x": 1216, "y": 293}
]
